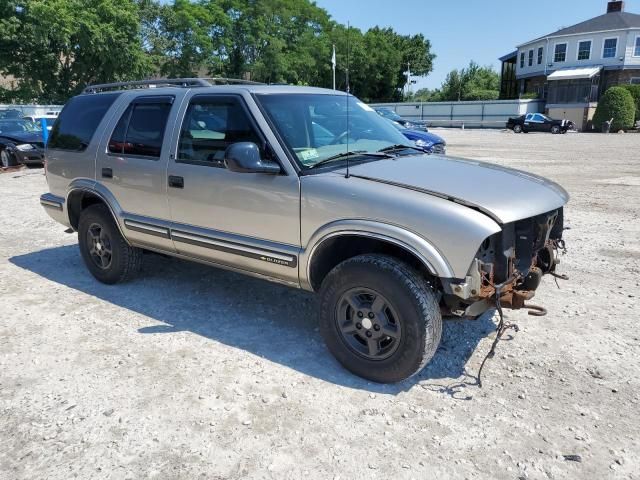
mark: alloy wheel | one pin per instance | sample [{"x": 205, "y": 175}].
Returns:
[
  {"x": 368, "y": 323},
  {"x": 99, "y": 246}
]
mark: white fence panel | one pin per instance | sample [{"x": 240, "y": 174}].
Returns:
[{"x": 483, "y": 114}]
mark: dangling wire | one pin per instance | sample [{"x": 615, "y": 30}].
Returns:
[{"x": 500, "y": 329}]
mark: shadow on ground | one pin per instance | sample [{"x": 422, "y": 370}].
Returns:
[{"x": 269, "y": 320}]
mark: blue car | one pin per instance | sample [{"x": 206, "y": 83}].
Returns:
[
  {"x": 427, "y": 141},
  {"x": 389, "y": 114}
]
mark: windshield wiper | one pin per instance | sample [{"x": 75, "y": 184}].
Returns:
[
  {"x": 398, "y": 147},
  {"x": 343, "y": 155}
]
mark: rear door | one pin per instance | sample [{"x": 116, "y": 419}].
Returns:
[
  {"x": 132, "y": 164},
  {"x": 249, "y": 221}
]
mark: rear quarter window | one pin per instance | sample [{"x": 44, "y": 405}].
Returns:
[{"x": 79, "y": 120}]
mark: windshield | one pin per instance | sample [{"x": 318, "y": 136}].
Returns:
[
  {"x": 390, "y": 114},
  {"x": 18, "y": 126},
  {"x": 315, "y": 127}
]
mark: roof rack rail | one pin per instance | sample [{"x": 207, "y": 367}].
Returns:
[{"x": 167, "y": 82}]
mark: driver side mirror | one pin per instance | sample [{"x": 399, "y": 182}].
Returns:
[{"x": 244, "y": 157}]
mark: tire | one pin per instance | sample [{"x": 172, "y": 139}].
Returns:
[
  {"x": 105, "y": 252},
  {"x": 555, "y": 129},
  {"x": 7, "y": 159},
  {"x": 517, "y": 129},
  {"x": 410, "y": 312}
]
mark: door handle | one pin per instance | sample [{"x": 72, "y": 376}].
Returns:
[
  {"x": 107, "y": 173},
  {"x": 176, "y": 182}
]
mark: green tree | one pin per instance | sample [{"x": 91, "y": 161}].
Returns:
[
  {"x": 56, "y": 47},
  {"x": 191, "y": 35},
  {"x": 427, "y": 95},
  {"x": 471, "y": 83},
  {"x": 617, "y": 104}
]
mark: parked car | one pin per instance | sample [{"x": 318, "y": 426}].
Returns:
[
  {"x": 233, "y": 176},
  {"x": 10, "y": 113},
  {"x": 423, "y": 139},
  {"x": 389, "y": 114},
  {"x": 20, "y": 143},
  {"x": 37, "y": 119},
  {"x": 537, "y": 122}
]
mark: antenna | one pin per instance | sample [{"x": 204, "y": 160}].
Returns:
[{"x": 348, "y": 55}]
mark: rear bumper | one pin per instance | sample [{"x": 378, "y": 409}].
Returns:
[{"x": 55, "y": 207}]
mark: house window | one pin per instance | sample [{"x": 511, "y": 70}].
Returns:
[
  {"x": 636, "y": 49},
  {"x": 531, "y": 58},
  {"x": 560, "y": 53},
  {"x": 522, "y": 60},
  {"x": 584, "y": 50},
  {"x": 541, "y": 53},
  {"x": 610, "y": 48},
  {"x": 635, "y": 81}
]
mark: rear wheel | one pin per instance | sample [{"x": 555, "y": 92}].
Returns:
[
  {"x": 517, "y": 128},
  {"x": 379, "y": 318},
  {"x": 105, "y": 252},
  {"x": 7, "y": 159}
]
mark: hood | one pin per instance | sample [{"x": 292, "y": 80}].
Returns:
[
  {"x": 504, "y": 194},
  {"x": 420, "y": 135},
  {"x": 23, "y": 137}
]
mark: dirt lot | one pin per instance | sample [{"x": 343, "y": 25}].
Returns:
[{"x": 192, "y": 372}]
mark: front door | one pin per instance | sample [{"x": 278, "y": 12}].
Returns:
[{"x": 249, "y": 221}]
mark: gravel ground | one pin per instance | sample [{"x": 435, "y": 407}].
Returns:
[{"x": 193, "y": 372}]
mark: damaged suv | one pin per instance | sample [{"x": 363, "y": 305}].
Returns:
[{"x": 307, "y": 187}]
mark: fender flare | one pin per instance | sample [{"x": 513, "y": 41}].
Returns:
[
  {"x": 94, "y": 188},
  {"x": 418, "y": 246}
]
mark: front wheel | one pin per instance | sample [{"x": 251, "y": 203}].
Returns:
[
  {"x": 517, "y": 128},
  {"x": 555, "y": 129},
  {"x": 379, "y": 318},
  {"x": 104, "y": 250},
  {"x": 7, "y": 159}
]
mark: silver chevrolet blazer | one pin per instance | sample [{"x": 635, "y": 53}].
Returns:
[{"x": 307, "y": 187}]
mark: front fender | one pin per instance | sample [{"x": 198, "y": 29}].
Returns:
[{"x": 421, "y": 248}]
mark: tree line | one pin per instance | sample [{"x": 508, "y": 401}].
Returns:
[
  {"x": 54, "y": 48},
  {"x": 471, "y": 83}
]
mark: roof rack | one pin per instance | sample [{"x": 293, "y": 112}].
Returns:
[{"x": 168, "y": 82}]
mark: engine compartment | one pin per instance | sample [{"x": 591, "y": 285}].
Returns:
[{"x": 509, "y": 266}]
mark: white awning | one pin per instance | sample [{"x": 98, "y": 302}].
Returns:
[{"x": 574, "y": 73}]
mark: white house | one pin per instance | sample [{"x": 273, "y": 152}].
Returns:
[{"x": 572, "y": 67}]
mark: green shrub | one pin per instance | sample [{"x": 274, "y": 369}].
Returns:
[
  {"x": 616, "y": 103},
  {"x": 482, "y": 95},
  {"x": 634, "y": 90},
  {"x": 530, "y": 96}
]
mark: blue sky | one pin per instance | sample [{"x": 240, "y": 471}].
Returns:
[{"x": 464, "y": 30}]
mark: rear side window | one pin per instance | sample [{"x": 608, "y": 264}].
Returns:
[
  {"x": 79, "y": 120},
  {"x": 140, "y": 130}
]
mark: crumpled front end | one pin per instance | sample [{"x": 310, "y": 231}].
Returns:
[{"x": 509, "y": 267}]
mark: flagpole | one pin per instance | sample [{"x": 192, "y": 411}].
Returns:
[{"x": 333, "y": 66}]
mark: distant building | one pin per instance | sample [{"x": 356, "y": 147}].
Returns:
[{"x": 572, "y": 67}]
